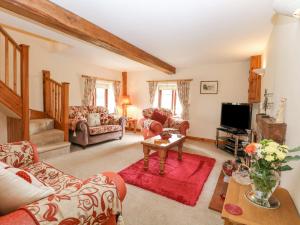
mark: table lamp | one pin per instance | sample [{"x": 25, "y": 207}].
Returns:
[{"x": 125, "y": 102}]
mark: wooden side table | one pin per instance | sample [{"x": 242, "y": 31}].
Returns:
[
  {"x": 286, "y": 214},
  {"x": 132, "y": 124}
]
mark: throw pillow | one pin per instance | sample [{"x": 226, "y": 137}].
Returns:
[
  {"x": 157, "y": 116},
  {"x": 23, "y": 174},
  {"x": 93, "y": 119},
  {"x": 16, "y": 191}
]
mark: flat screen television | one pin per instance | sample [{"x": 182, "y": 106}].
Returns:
[{"x": 236, "y": 116}]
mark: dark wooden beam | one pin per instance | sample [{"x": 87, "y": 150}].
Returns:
[
  {"x": 54, "y": 16},
  {"x": 124, "y": 83}
]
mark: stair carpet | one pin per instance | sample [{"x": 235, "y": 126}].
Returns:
[{"x": 50, "y": 141}]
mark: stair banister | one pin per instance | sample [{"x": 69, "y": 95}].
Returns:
[
  {"x": 56, "y": 102},
  {"x": 65, "y": 109},
  {"x": 25, "y": 90}
]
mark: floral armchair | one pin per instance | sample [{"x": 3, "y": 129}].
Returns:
[
  {"x": 111, "y": 127},
  {"x": 96, "y": 200},
  {"x": 158, "y": 119}
]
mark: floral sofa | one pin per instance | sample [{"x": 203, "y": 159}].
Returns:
[
  {"x": 152, "y": 126},
  {"x": 80, "y": 133},
  {"x": 96, "y": 200}
]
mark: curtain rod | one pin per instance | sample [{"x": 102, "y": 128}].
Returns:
[
  {"x": 169, "y": 80},
  {"x": 98, "y": 78}
]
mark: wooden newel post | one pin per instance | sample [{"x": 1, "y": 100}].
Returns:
[
  {"x": 65, "y": 109},
  {"x": 46, "y": 91},
  {"x": 25, "y": 90}
]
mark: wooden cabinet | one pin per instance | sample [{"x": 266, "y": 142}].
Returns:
[
  {"x": 267, "y": 128},
  {"x": 254, "y": 91}
]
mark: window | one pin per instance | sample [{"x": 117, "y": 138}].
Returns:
[
  {"x": 105, "y": 95},
  {"x": 101, "y": 97},
  {"x": 167, "y": 97}
]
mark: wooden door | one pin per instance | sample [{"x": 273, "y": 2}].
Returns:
[{"x": 254, "y": 91}]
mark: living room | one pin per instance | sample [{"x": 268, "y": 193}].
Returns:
[{"x": 208, "y": 56}]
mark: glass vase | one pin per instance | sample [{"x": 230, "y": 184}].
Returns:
[{"x": 263, "y": 185}]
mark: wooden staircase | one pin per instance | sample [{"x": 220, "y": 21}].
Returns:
[
  {"x": 14, "y": 92},
  {"x": 14, "y": 99}
]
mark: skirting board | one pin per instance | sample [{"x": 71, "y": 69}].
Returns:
[
  {"x": 188, "y": 137},
  {"x": 201, "y": 139}
]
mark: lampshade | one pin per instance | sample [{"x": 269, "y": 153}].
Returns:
[{"x": 126, "y": 100}]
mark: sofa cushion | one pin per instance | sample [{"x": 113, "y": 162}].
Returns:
[
  {"x": 52, "y": 177},
  {"x": 20, "y": 190},
  {"x": 93, "y": 119},
  {"x": 157, "y": 116},
  {"x": 80, "y": 113},
  {"x": 104, "y": 129},
  {"x": 18, "y": 154},
  {"x": 27, "y": 176}
]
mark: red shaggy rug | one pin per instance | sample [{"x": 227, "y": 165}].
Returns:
[{"x": 183, "y": 180}]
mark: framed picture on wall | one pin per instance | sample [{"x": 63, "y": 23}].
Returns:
[{"x": 209, "y": 87}]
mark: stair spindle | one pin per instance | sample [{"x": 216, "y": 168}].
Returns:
[
  {"x": 15, "y": 69},
  {"x": 6, "y": 61}
]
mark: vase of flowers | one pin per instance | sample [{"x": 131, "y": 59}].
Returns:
[{"x": 268, "y": 159}]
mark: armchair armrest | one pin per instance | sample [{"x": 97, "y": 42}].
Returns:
[
  {"x": 94, "y": 201},
  {"x": 19, "y": 154},
  {"x": 150, "y": 127},
  {"x": 117, "y": 120},
  {"x": 181, "y": 125}
]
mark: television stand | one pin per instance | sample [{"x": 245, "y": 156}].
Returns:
[{"x": 232, "y": 141}]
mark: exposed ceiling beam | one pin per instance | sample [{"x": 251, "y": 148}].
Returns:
[{"x": 54, "y": 16}]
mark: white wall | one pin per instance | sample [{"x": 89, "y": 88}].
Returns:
[
  {"x": 44, "y": 55},
  {"x": 283, "y": 79},
  {"x": 205, "y": 110}
]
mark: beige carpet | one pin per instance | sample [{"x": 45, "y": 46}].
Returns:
[{"x": 142, "y": 207}]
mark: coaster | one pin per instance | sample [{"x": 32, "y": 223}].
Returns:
[{"x": 233, "y": 209}]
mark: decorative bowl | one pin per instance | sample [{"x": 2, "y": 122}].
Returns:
[{"x": 165, "y": 135}]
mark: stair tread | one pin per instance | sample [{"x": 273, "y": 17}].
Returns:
[
  {"x": 53, "y": 146},
  {"x": 39, "y": 125},
  {"x": 40, "y": 120},
  {"x": 47, "y": 137},
  {"x": 48, "y": 131}
]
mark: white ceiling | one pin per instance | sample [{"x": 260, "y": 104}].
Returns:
[{"x": 180, "y": 32}]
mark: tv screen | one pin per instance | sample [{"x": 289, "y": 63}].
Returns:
[{"x": 236, "y": 116}]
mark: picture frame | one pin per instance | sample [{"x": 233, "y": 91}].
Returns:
[{"x": 209, "y": 87}]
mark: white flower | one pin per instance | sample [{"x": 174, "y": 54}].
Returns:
[{"x": 259, "y": 153}]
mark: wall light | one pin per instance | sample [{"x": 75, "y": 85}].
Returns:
[{"x": 260, "y": 71}]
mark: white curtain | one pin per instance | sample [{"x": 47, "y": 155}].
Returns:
[
  {"x": 152, "y": 90},
  {"x": 117, "y": 91},
  {"x": 183, "y": 89},
  {"x": 89, "y": 95}
]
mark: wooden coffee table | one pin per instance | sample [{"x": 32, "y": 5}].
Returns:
[{"x": 156, "y": 144}]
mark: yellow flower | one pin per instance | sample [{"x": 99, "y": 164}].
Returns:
[
  {"x": 269, "y": 158},
  {"x": 281, "y": 155},
  {"x": 273, "y": 144},
  {"x": 270, "y": 149}
]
